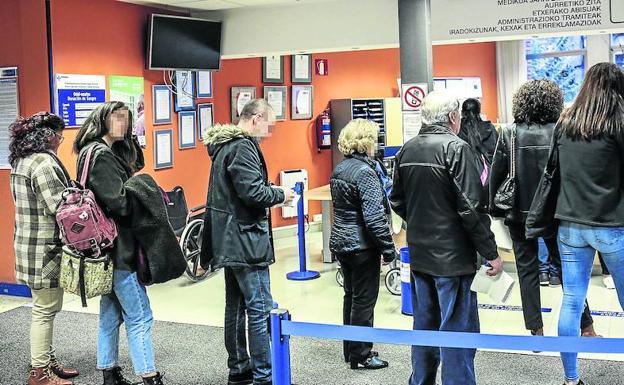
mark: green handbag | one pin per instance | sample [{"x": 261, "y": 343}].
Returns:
[{"x": 84, "y": 276}]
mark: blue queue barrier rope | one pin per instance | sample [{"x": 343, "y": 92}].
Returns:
[{"x": 284, "y": 328}]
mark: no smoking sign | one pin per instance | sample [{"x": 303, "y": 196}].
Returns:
[{"x": 412, "y": 96}]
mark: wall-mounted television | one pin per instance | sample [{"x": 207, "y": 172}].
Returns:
[{"x": 183, "y": 43}]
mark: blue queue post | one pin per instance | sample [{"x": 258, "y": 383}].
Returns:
[
  {"x": 280, "y": 348},
  {"x": 406, "y": 283},
  {"x": 303, "y": 274}
]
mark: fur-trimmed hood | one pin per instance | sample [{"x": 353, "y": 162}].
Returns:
[
  {"x": 223, "y": 133},
  {"x": 219, "y": 134}
]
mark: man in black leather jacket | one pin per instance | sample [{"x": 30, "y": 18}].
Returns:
[
  {"x": 237, "y": 236},
  {"x": 438, "y": 192}
]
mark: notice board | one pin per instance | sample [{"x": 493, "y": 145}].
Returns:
[{"x": 77, "y": 96}]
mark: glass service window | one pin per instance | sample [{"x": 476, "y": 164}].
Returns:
[
  {"x": 617, "y": 47},
  {"x": 560, "y": 59}
]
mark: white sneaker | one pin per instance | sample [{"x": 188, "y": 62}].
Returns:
[{"x": 607, "y": 280}]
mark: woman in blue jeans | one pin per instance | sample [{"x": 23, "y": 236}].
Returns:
[
  {"x": 115, "y": 157},
  {"x": 589, "y": 140}
]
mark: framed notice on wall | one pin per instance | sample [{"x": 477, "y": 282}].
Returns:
[
  {"x": 9, "y": 110},
  {"x": 184, "y": 91},
  {"x": 204, "y": 84},
  {"x": 205, "y": 118},
  {"x": 240, "y": 97},
  {"x": 186, "y": 129},
  {"x": 273, "y": 69},
  {"x": 301, "y": 68},
  {"x": 163, "y": 149},
  {"x": 276, "y": 96},
  {"x": 301, "y": 106},
  {"x": 161, "y": 104}
]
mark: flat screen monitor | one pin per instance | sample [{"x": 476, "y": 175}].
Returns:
[{"x": 183, "y": 43}]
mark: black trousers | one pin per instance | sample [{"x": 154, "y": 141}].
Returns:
[
  {"x": 527, "y": 264},
  {"x": 603, "y": 265},
  {"x": 361, "y": 287}
]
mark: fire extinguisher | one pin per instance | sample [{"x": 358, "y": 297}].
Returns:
[{"x": 323, "y": 130}]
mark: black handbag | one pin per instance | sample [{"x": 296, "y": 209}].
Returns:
[
  {"x": 541, "y": 220},
  {"x": 505, "y": 196}
]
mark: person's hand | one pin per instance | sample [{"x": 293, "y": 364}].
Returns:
[
  {"x": 289, "y": 194},
  {"x": 496, "y": 266}
]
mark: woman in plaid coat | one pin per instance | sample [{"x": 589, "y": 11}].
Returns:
[{"x": 37, "y": 183}]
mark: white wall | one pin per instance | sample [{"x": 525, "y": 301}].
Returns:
[
  {"x": 339, "y": 25},
  {"x": 598, "y": 49}
]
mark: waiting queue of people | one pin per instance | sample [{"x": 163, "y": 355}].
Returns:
[{"x": 442, "y": 180}]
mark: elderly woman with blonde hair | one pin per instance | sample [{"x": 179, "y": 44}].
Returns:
[{"x": 360, "y": 233}]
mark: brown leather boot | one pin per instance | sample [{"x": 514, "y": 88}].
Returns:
[
  {"x": 63, "y": 371},
  {"x": 45, "y": 376}
]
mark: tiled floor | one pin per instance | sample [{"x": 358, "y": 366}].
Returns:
[{"x": 320, "y": 300}]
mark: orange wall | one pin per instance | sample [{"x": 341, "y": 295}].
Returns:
[
  {"x": 85, "y": 42},
  {"x": 23, "y": 44}
]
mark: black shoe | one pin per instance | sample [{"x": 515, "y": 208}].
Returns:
[
  {"x": 371, "y": 363},
  {"x": 579, "y": 383},
  {"x": 156, "y": 380},
  {"x": 245, "y": 378},
  {"x": 554, "y": 280},
  {"x": 115, "y": 377},
  {"x": 544, "y": 279}
]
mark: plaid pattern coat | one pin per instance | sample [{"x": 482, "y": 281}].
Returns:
[{"x": 37, "y": 182}]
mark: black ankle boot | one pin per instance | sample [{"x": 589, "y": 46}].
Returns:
[
  {"x": 156, "y": 380},
  {"x": 114, "y": 377}
]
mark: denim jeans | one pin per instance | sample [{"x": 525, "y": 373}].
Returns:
[
  {"x": 447, "y": 304},
  {"x": 546, "y": 263},
  {"x": 247, "y": 290},
  {"x": 128, "y": 303},
  {"x": 579, "y": 244}
]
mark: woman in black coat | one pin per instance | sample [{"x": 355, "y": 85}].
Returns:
[
  {"x": 360, "y": 233},
  {"x": 115, "y": 157},
  {"x": 537, "y": 106}
]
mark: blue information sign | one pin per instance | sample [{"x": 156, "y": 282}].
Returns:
[{"x": 77, "y": 96}]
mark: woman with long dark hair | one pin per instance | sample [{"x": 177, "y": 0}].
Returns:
[
  {"x": 537, "y": 106},
  {"x": 116, "y": 156},
  {"x": 37, "y": 182},
  {"x": 480, "y": 134},
  {"x": 590, "y": 203}
]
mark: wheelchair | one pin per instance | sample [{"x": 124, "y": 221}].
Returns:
[
  {"x": 392, "y": 277},
  {"x": 188, "y": 226}
]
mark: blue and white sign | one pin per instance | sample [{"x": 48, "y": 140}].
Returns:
[{"x": 77, "y": 96}]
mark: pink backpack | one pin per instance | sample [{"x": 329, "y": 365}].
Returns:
[{"x": 83, "y": 225}]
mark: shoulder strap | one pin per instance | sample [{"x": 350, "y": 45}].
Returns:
[
  {"x": 513, "y": 153},
  {"x": 85, "y": 166},
  {"x": 68, "y": 179}
]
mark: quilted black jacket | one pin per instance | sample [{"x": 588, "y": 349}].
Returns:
[
  {"x": 437, "y": 191},
  {"x": 360, "y": 209}
]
